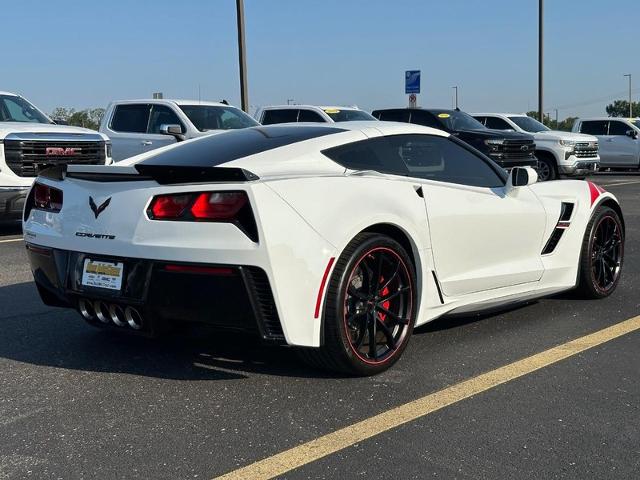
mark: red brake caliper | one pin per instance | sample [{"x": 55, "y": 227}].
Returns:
[{"x": 386, "y": 303}]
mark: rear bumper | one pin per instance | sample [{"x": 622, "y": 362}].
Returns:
[
  {"x": 234, "y": 297},
  {"x": 12, "y": 202}
]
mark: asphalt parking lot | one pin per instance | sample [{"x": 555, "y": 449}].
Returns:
[{"x": 82, "y": 403}]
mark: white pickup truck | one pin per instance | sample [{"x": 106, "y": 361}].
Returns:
[
  {"x": 31, "y": 142},
  {"x": 559, "y": 153}
]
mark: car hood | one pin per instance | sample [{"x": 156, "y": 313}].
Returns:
[
  {"x": 19, "y": 127},
  {"x": 489, "y": 133},
  {"x": 557, "y": 135}
]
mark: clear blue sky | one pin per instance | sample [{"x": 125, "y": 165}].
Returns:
[{"x": 85, "y": 53}]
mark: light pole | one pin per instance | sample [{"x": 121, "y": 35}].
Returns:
[
  {"x": 630, "y": 105},
  {"x": 456, "y": 89},
  {"x": 540, "y": 60},
  {"x": 242, "y": 56}
]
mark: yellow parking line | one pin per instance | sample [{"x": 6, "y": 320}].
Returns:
[
  {"x": 11, "y": 240},
  {"x": 345, "y": 437}
]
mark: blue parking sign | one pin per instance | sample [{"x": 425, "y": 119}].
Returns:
[{"x": 412, "y": 81}]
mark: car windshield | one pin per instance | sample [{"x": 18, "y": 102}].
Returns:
[
  {"x": 214, "y": 117},
  {"x": 17, "y": 109},
  {"x": 455, "y": 120},
  {"x": 529, "y": 124},
  {"x": 338, "y": 115}
]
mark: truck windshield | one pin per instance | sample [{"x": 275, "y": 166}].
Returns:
[
  {"x": 338, "y": 115},
  {"x": 17, "y": 109},
  {"x": 213, "y": 117},
  {"x": 529, "y": 124},
  {"x": 454, "y": 120},
  {"x": 636, "y": 123}
]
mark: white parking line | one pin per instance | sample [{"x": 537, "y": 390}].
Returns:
[
  {"x": 11, "y": 240},
  {"x": 619, "y": 183}
]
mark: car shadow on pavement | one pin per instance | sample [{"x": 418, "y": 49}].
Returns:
[
  {"x": 10, "y": 228},
  {"x": 35, "y": 334},
  {"x": 447, "y": 322}
]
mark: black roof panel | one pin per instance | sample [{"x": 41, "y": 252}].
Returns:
[{"x": 234, "y": 144}]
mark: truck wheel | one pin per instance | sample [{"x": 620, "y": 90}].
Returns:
[{"x": 546, "y": 169}]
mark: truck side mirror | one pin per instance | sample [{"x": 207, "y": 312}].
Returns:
[
  {"x": 170, "y": 129},
  {"x": 521, "y": 177},
  {"x": 632, "y": 133}
]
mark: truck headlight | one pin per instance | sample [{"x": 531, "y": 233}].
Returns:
[
  {"x": 108, "y": 149},
  {"x": 567, "y": 143}
]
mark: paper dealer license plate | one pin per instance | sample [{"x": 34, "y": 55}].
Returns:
[{"x": 101, "y": 274}]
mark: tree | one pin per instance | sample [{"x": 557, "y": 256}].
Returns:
[
  {"x": 88, "y": 118},
  {"x": 620, "y": 108},
  {"x": 566, "y": 124}
]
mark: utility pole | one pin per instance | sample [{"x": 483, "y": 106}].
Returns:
[
  {"x": 456, "y": 89},
  {"x": 242, "y": 56},
  {"x": 556, "y": 118},
  {"x": 630, "y": 104},
  {"x": 541, "y": 60}
]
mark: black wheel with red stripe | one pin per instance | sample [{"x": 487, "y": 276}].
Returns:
[
  {"x": 602, "y": 254},
  {"x": 370, "y": 307}
]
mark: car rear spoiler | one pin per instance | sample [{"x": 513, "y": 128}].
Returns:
[{"x": 163, "y": 174}]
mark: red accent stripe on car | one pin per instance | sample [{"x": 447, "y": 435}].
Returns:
[
  {"x": 595, "y": 191},
  {"x": 322, "y": 285},
  {"x": 222, "y": 271}
]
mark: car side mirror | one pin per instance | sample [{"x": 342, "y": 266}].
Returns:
[
  {"x": 521, "y": 177},
  {"x": 632, "y": 133},
  {"x": 170, "y": 129}
]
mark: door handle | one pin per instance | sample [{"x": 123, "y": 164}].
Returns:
[
  {"x": 146, "y": 143},
  {"x": 609, "y": 139}
]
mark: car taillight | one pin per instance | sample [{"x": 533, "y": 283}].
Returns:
[
  {"x": 168, "y": 207},
  {"x": 47, "y": 198},
  {"x": 218, "y": 205},
  {"x": 225, "y": 207}
]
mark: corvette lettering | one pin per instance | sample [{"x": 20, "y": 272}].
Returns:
[{"x": 100, "y": 236}]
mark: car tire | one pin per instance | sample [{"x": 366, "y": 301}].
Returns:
[
  {"x": 546, "y": 169},
  {"x": 602, "y": 254},
  {"x": 370, "y": 308}
]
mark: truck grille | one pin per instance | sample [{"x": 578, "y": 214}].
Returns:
[
  {"x": 587, "y": 149},
  {"x": 514, "y": 149},
  {"x": 27, "y": 158}
]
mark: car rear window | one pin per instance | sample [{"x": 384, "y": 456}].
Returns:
[
  {"x": 288, "y": 115},
  {"x": 225, "y": 147}
]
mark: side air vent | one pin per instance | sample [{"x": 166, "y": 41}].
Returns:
[
  {"x": 263, "y": 303},
  {"x": 565, "y": 211},
  {"x": 552, "y": 243}
]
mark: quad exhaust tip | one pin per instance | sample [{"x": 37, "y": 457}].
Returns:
[{"x": 110, "y": 313}]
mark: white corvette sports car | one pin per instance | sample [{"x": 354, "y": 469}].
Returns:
[{"x": 336, "y": 238}]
